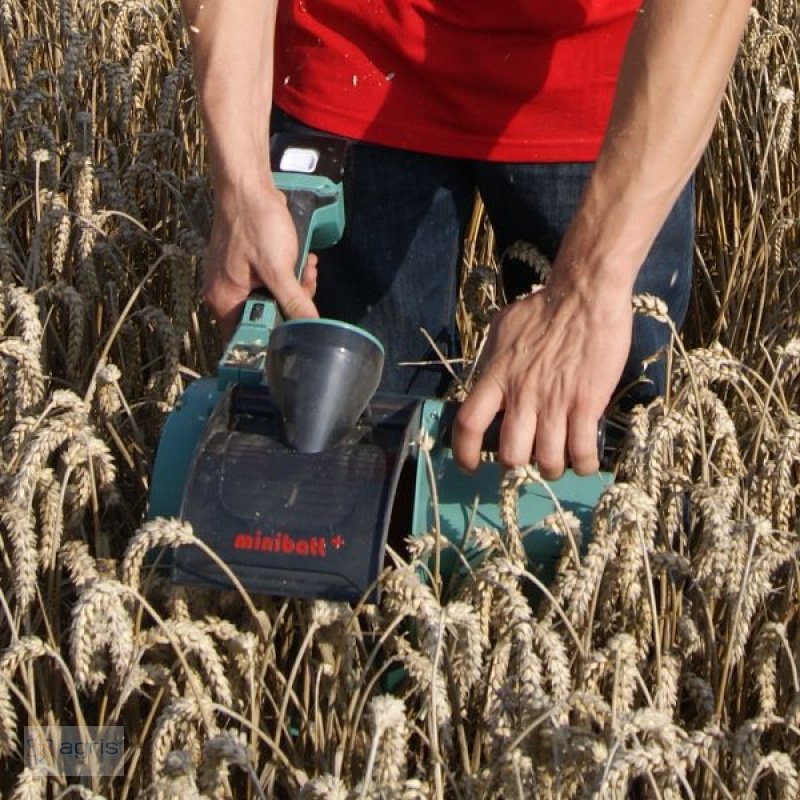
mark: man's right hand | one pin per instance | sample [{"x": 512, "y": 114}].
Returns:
[
  {"x": 253, "y": 244},
  {"x": 253, "y": 239}
]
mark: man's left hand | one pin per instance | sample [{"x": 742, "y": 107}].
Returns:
[{"x": 552, "y": 361}]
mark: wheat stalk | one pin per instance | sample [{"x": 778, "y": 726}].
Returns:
[
  {"x": 100, "y": 623},
  {"x": 192, "y": 640}
]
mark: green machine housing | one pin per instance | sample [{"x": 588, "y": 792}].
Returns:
[{"x": 316, "y": 524}]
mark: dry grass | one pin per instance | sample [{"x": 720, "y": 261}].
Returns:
[{"x": 665, "y": 658}]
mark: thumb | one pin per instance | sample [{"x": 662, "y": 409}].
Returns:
[
  {"x": 294, "y": 300},
  {"x": 309, "y": 279}
]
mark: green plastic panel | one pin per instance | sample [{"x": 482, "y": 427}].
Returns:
[
  {"x": 176, "y": 449},
  {"x": 472, "y": 500}
]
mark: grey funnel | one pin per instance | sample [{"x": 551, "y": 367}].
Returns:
[{"x": 321, "y": 375}]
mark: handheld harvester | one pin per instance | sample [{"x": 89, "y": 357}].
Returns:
[{"x": 287, "y": 462}]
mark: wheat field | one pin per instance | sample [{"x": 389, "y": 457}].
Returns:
[{"x": 661, "y": 664}]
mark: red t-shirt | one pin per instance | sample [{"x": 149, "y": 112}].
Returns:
[{"x": 511, "y": 80}]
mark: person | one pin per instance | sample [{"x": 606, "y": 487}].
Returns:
[{"x": 580, "y": 123}]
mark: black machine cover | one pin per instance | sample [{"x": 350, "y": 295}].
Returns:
[{"x": 289, "y": 523}]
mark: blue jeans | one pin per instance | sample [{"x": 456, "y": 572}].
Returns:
[{"x": 396, "y": 269}]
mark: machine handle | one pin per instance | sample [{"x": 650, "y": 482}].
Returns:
[
  {"x": 302, "y": 204},
  {"x": 309, "y": 191},
  {"x": 491, "y": 438},
  {"x": 309, "y": 174}
]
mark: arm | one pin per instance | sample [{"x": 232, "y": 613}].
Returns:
[
  {"x": 554, "y": 359},
  {"x": 253, "y": 239}
]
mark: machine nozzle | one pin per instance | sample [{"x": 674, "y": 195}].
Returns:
[{"x": 321, "y": 374}]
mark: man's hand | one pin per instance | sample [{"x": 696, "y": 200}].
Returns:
[
  {"x": 253, "y": 244},
  {"x": 555, "y": 358},
  {"x": 552, "y": 361},
  {"x": 253, "y": 239}
]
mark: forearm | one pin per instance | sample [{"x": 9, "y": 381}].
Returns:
[
  {"x": 232, "y": 50},
  {"x": 671, "y": 82}
]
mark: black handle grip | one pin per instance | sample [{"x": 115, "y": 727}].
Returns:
[
  {"x": 491, "y": 438},
  {"x": 302, "y": 205}
]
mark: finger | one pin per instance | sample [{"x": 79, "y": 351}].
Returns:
[
  {"x": 472, "y": 420},
  {"x": 551, "y": 445},
  {"x": 225, "y": 301},
  {"x": 517, "y": 435},
  {"x": 310, "y": 274},
  {"x": 294, "y": 301},
  {"x": 583, "y": 442},
  {"x": 227, "y": 323}
]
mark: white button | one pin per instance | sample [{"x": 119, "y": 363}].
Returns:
[{"x": 299, "y": 159}]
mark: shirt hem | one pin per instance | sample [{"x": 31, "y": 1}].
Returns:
[{"x": 435, "y": 141}]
